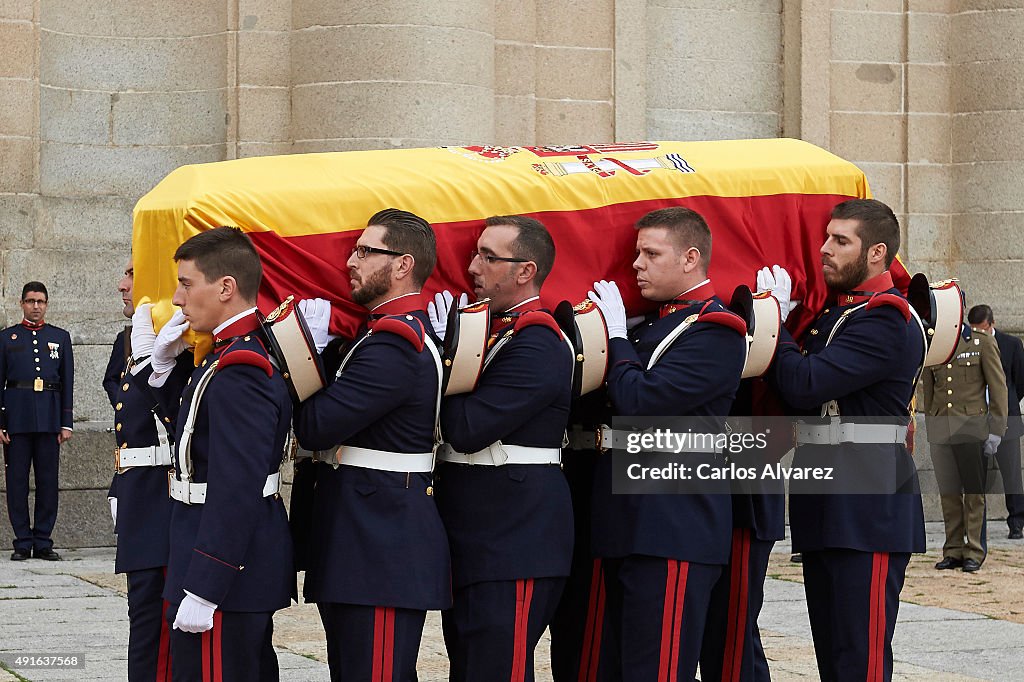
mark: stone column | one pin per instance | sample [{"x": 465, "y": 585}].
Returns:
[
  {"x": 391, "y": 73},
  {"x": 987, "y": 191},
  {"x": 575, "y": 76},
  {"x": 714, "y": 69}
]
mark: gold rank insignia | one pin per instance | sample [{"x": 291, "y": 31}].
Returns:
[{"x": 849, "y": 299}]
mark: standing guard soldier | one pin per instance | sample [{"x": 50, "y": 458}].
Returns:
[
  {"x": 142, "y": 458},
  {"x": 502, "y": 495},
  {"x": 857, "y": 368},
  {"x": 965, "y": 402},
  {"x": 1011, "y": 354},
  {"x": 230, "y": 562},
  {"x": 37, "y": 374},
  {"x": 661, "y": 554},
  {"x": 378, "y": 559}
]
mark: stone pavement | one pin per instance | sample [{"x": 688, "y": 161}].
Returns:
[{"x": 952, "y": 625}]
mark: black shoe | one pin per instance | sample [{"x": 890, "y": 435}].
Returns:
[
  {"x": 1015, "y": 534},
  {"x": 46, "y": 555},
  {"x": 970, "y": 566},
  {"x": 797, "y": 558},
  {"x": 21, "y": 555},
  {"x": 949, "y": 562}
]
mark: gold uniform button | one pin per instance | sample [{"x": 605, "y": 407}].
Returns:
[
  {"x": 949, "y": 366},
  {"x": 119, "y": 406},
  {"x": 408, "y": 317},
  {"x": 430, "y": 490},
  {"x": 125, "y": 387},
  {"x": 814, "y": 332},
  {"x": 124, "y": 445},
  {"x": 949, "y": 391},
  {"x": 167, "y": 420},
  {"x": 246, "y": 338},
  {"x": 968, "y": 363},
  {"x": 949, "y": 404},
  {"x": 949, "y": 378},
  {"x": 825, "y": 312},
  {"x": 118, "y": 427}
]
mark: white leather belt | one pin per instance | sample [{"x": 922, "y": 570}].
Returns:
[
  {"x": 195, "y": 493},
  {"x": 838, "y": 433},
  {"x": 382, "y": 460},
  {"x": 152, "y": 456},
  {"x": 497, "y": 454},
  {"x": 604, "y": 438}
]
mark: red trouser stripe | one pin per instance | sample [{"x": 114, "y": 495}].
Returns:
[
  {"x": 378, "y": 645},
  {"x": 205, "y": 661},
  {"x": 739, "y": 585},
  {"x": 591, "y": 649},
  {"x": 684, "y": 571},
  {"x": 387, "y": 671},
  {"x": 877, "y": 619},
  {"x": 520, "y": 642},
  {"x": 218, "y": 664},
  {"x": 163, "y": 657},
  {"x": 672, "y": 619}
]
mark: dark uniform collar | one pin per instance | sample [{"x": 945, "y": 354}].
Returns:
[
  {"x": 406, "y": 303},
  {"x": 867, "y": 289},
  {"x": 240, "y": 327},
  {"x": 695, "y": 296},
  {"x": 33, "y": 326},
  {"x": 509, "y": 316}
]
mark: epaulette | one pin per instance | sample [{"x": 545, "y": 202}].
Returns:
[
  {"x": 404, "y": 328},
  {"x": 897, "y": 302},
  {"x": 538, "y": 318},
  {"x": 243, "y": 356},
  {"x": 726, "y": 319}
]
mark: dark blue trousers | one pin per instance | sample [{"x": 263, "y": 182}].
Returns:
[
  {"x": 493, "y": 628},
  {"x": 1008, "y": 459},
  {"x": 654, "y": 616},
  {"x": 239, "y": 648},
  {"x": 569, "y": 624},
  {"x": 149, "y": 653},
  {"x": 732, "y": 650},
  {"x": 372, "y": 643},
  {"x": 852, "y": 601},
  {"x": 40, "y": 452}
]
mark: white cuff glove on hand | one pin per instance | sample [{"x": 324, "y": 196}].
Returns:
[
  {"x": 317, "y": 313},
  {"x": 440, "y": 307},
  {"x": 777, "y": 281},
  {"x": 992, "y": 444},
  {"x": 143, "y": 335},
  {"x": 195, "y": 614},
  {"x": 113, "y": 509},
  {"x": 608, "y": 299},
  {"x": 169, "y": 344}
]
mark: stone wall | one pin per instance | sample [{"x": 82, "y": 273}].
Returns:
[{"x": 100, "y": 100}]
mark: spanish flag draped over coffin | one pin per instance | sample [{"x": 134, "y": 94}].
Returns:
[{"x": 767, "y": 201}]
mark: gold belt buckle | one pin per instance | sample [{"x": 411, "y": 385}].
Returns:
[
  {"x": 117, "y": 459},
  {"x": 37, "y": 385},
  {"x": 599, "y": 440}
]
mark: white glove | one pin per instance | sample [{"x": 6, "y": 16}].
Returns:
[
  {"x": 992, "y": 443},
  {"x": 608, "y": 299},
  {"x": 777, "y": 282},
  {"x": 113, "y": 509},
  {"x": 169, "y": 344},
  {"x": 317, "y": 313},
  {"x": 143, "y": 335},
  {"x": 195, "y": 614},
  {"x": 440, "y": 307}
]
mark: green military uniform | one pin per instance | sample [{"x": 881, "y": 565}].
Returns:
[{"x": 965, "y": 401}]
